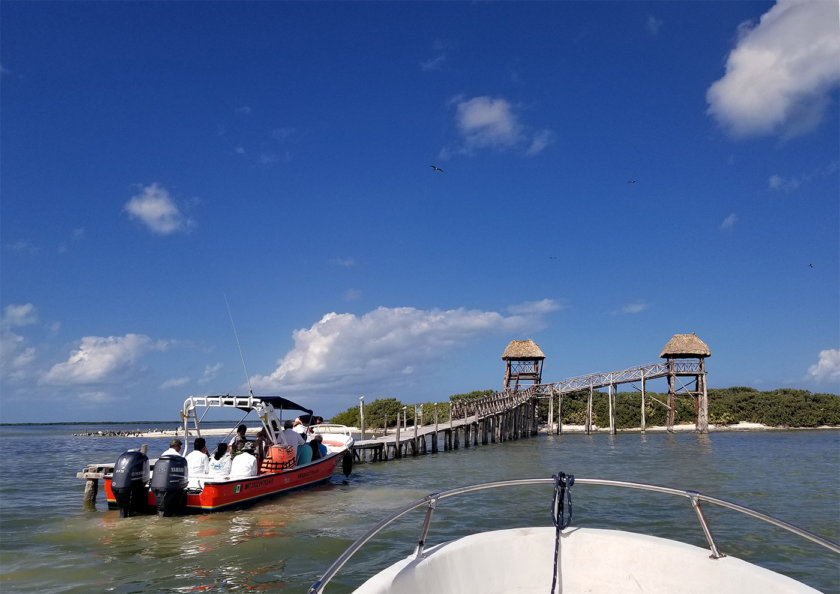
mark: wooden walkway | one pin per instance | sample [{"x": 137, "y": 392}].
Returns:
[{"x": 512, "y": 415}]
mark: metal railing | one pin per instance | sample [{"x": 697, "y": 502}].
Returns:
[{"x": 431, "y": 500}]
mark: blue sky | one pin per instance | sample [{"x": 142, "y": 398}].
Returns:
[{"x": 159, "y": 158}]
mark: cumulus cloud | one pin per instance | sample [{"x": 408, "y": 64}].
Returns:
[
  {"x": 19, "y": 315},
  {"x": 827, "y": 369},
  {"x": 493, "y": 123},
  {"x": 348, "y": 350},
  {"x": 100, "y": 359},
  {"x": 156, "y": 209},
  {"x": 15, "y": 355},
  {"x": 781, "y": 72}
]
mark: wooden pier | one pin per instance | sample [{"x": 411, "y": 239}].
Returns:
[
  {"x": 500, "y": 417},
  {"x": 512, "y": 413}
]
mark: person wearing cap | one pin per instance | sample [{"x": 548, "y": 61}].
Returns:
[
  {"x": 238, "y": 440},
  {"x": 174, "y": 448},
  {"x": 197, "y": 461},
  {"x": 291, "y": 437},
  {"x": 245, "y": 464}
]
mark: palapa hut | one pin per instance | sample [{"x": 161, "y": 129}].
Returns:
[
  {"x": 688, "y": 346},
  {"x": 523, "y": 361},
  {"x": 685, "y": 346}
]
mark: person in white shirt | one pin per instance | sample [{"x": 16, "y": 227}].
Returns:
[
  {"x": 197, "y": 462},
  {"x": 220, "y": 461},
  {"x": 174, "y": 448},
  {"x": 245, "y": 464}
]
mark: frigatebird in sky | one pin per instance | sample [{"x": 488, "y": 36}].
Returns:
[{"x": 436, "y": 168}]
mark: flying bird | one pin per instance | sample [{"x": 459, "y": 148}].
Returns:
[
  {"x": 632, "y": 181},
  {"x": 811, "y": 265},
  {"x": 436, "y": 168}
]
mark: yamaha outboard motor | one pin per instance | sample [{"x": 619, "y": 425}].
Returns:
[
  {"x": 169, "y": 484},
  {"x": 129, "y": 483}
]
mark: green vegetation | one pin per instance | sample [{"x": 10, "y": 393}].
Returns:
[{"x": 777, "y": 408}]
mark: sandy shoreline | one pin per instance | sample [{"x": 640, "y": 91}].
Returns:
[{"x": 687, "y": 427}]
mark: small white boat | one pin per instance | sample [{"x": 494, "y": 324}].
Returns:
[{"x": 562, "y": 558}]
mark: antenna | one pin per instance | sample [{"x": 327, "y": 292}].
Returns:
[{"x": 241, "y": 356}]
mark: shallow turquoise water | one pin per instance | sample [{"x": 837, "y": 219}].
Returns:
[{"x": 50, "y": 544}]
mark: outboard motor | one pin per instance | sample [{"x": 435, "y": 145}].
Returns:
[
  {"x": 129, "y": 483},
  {"x": 169, "y": 484}
]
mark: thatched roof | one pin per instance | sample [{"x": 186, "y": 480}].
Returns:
[
  {"x": 522, "y": 349},
  {"x": 685, "y": 346}
]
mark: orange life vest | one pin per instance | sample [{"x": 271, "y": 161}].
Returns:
[{"x": 277, "y": 458}]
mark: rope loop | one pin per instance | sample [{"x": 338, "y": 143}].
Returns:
[{"x": 562, "y": 500}]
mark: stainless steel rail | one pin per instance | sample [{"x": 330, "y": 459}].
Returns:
[{"x": 431, "y": 500}]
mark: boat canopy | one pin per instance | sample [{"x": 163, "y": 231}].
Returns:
[{"x": 279, "y": 403}]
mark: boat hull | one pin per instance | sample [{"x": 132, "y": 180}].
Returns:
[
  {"x": 591, "y": 560},
  {"x": 214, "y": 495}
]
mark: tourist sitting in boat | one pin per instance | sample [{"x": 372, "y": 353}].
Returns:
[
  {"x": 245, "y": 463},
  {"x": 304, "y": 454},
  {"x": 220, "y": 461},
  {"x": 174, "y": 448},
  {"x": 291, "y": 437},
  {"x": 238, "y": 440},
  {"x": 262, "y": 443},
  {"x": 197, "y": 462},
  {"x": 316, "y": 446}
]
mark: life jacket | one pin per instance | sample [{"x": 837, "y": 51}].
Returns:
[{"x": 277, "y": 458}]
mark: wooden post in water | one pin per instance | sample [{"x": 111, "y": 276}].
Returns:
[
  {"x": 643, "y": 401},
  {"x": 703, "y": 412},
  {"x": 362, "y": 415},
  {"x": 397, "y": 452},
  {"x": 559, "y": 414},
  {"x": 435, "y": 434},
  {"x": 416, "y": 444},
  {"x": 611, "y": 394},
  {"x": 551, "y": 412},
  {"x": 589, "y": 411}
]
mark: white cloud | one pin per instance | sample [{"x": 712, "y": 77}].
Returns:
[
  {"x": 210, "y": 373},
  {"x": 729, "y": 222},
  {"x": 99, "y": 359},
  {"x": 634, "y": 308},
  {"x": 175, "y": 382},
  {"x": 19, "y": 315},
  {"x": 542, "y": 307},
  {"x": 15, "y": 356},
  {"x": 352, "y": 294},
  {"x": 541, "y": 139},
  {"x": 344, "y": 350},
  {"x": 827, "y": 369},
  {"x": 156, "y": 209},
  {"x": 344, "y": 262},
  {"x": 492, "y": 123},
  {"x": 791, "y": 184},
  {"x": 781, "y": 72}
]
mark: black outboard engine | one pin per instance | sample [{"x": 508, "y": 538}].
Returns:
[
  {"x": 129, "y": 483},
  {"x": 169, "y": 484}
]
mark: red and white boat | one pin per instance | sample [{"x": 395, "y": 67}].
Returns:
[{"x": 136, "y": 484}]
